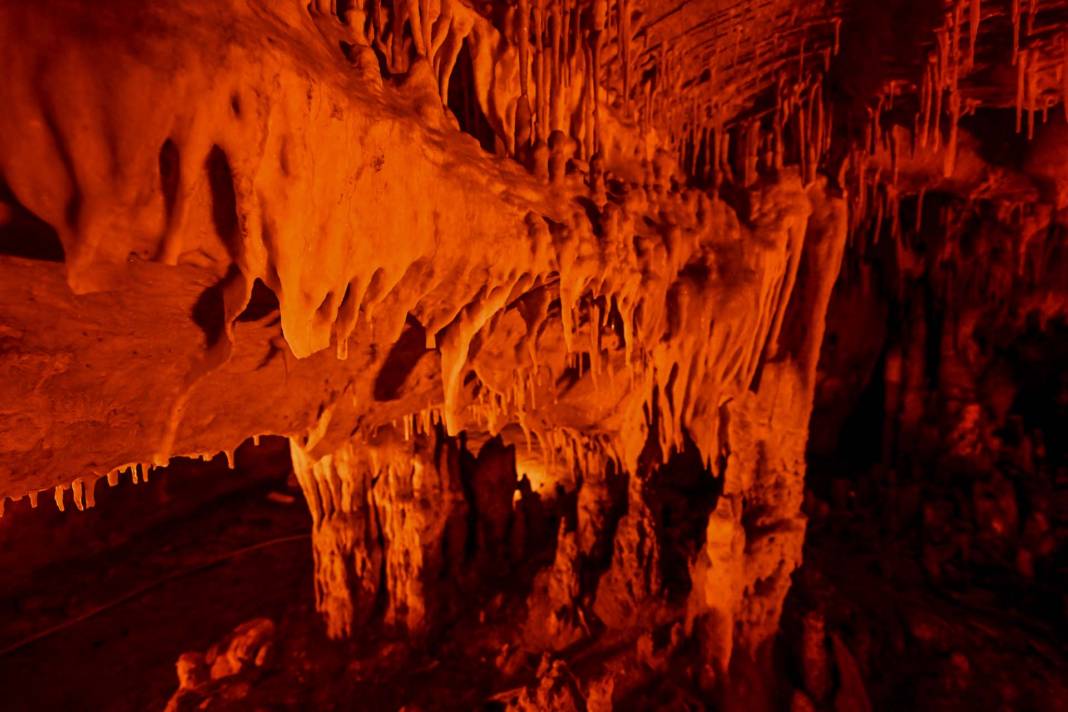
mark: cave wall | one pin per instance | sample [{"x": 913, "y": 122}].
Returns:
[{"x": 496, "y": 271}]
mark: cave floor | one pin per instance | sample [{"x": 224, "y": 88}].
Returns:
[
  {"x": 104, "y": 632},
  {"x": 119, "y": 621},
  {"x": 128, "y": 613},
  {"x": 965, "y": 647},
  {"x": 953, "y": 657}
]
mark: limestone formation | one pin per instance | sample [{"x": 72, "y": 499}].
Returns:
[{"x": 496, "y": 269}]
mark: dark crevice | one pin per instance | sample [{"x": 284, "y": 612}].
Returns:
[
  {"x": 223, "y": 198},
  {"x": 169, "y": 175},
  {"x": 400, "y": 362},
  {"x": 349, "y": 50},
  {"x": 209, "y": 313},
  {"x": 326, "y": 307},
  {"x": 23, "y": 234},
  {"x": 463, "y": 102},
  {"x": 261, "y": 304},
  {"x": 682, "y": 494}
]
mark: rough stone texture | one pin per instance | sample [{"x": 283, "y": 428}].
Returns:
[
  {"x": 617, "y": 314},
  {"x": 577, "y": 239}
]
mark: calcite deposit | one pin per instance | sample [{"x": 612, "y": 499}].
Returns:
[{"x": 537, "y": 292}]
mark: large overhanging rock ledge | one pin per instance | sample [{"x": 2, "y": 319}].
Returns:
[{"x": 578, "y": 328}]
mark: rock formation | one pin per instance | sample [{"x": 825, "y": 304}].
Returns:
[{"x": 536, "y": 291}]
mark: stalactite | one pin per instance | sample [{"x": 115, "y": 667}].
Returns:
[
  {"x": 1015, "y": 12},
  {"x": 650, "y": 275},
  {"x": 556, "y": 89},
  {"x": 1030, "y": 92},
  {"x": 626, "y": 41},
  {"x": 577, "y": 44},
  {"x": 524, "y": 114},
  {"x": 823, "y": 134},
  {"x": 926, "y": 101},
  {"x": 1064, "y": 74},
  {"x": 950, "y": 159},
  {"x": 566, "y": 49},
  {"x": 540, "y": 87},
  {"x": 600, "y": 19},
  {"x": 1022, "y": 78},
  {"x": 974, "y": 18},
  {"x": 588, "y": 105}
]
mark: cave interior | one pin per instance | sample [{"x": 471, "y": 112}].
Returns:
[{"x": 534, "y": 355}]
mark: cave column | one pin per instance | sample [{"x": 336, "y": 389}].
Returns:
[
  {"x": 345, "y": 534},
  {"x": 389, "y": 521},
  {"x": 755, "y": 534}
]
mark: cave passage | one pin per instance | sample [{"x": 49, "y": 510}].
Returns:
[{"x": 555, "y": 355}]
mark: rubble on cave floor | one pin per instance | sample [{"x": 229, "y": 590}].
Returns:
[
  {"x": 908, "y": 645},
  {"x": 915, "y": 642},
  {"x": 861, "y": 624}
]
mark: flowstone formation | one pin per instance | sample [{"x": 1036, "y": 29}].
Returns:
[
  {"x": 580, "y": 325},
  {"x": 536, "y": 290}
]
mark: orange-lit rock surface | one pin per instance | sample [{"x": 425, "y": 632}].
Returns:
[
  {"x": 536, "y": 290},
  {"x": 425, "y": 292}
]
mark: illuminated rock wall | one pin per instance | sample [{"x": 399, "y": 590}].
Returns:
[{"x": 500, "y": 317}]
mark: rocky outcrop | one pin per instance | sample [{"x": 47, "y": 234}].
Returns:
[
  {"x": 223, "y": 676},
  {"x": 390, "y": 529},
  {"x": 313, "y": 249}
]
